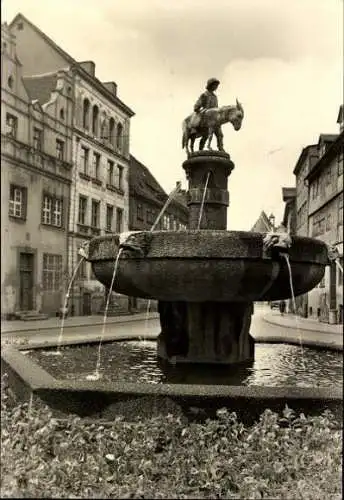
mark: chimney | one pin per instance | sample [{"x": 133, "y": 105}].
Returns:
[
  {"x": 111, "y": 86},
  {"x": 89, "y": 67}
]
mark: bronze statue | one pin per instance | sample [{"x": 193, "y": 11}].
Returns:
[
  {"x": 206, "y": 100},
  {"x": 208, "y": 118}
]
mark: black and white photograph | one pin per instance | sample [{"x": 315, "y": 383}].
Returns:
[{"x": 172, "y": 249}]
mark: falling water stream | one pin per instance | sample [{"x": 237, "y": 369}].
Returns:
[
  {"x": 203, "y": 199},
  {"x": 96, "y": 375},
  {"x": 162, "y": 211},
  {"x": 286, "y": 257},
  {"x": 339, "y": 266},
  {"x": 64, "y": 310},
  {"x": 146, "y": 322}
]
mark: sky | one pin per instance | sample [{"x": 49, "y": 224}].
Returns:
[{"x": 282, "y": 59}]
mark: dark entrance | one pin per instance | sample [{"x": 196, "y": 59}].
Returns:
[
  {"x": 86, "y": 309},
  {"x": 26, "y": 281}
]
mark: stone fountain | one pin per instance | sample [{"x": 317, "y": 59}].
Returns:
[{"x": 206, "y": 279}]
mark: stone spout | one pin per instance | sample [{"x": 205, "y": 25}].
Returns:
[
  {"x": 136, "y": 242},
  {"x": 332, "y": 253},
  {"x": 84, "y": 250},
  {"x": 277, "y": 241}
]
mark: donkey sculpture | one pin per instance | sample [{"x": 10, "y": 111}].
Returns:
[{"x": 210, "y": 124}]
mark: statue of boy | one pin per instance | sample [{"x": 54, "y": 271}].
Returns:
[{"x": 206, "y": 100}]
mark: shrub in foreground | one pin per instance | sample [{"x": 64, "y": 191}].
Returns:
[{"x": 285, "y": 457}]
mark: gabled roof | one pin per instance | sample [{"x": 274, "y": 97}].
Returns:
[
  {"x": 143, "y": 183},
  {"x": 40, "y": 87},
  {"x": 288, "y": 193},
  {"x": 73, "y": 63},
  {"x": 327, "y": 157},
  {"x": 327, "y": 138},
  {"x": 312, "y": 148},
  {"x": 263, "y": 218}
]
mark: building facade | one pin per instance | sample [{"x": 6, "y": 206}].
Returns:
[
  {"x": 289, "y": 215},
  {"x": 36, "y": 174},
  {"x": 147, "y": 198},
  {"x": 99, "y": 201},
  {"x": 325, "y": 221}
]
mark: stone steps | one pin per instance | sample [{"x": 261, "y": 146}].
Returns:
[{"x": 30, "y": 315}]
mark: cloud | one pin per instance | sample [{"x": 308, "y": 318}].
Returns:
[{"x": 283, "y": 60}]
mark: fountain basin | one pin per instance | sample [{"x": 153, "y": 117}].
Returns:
[
  {"x": 105, "y": 400},
  {"x": 201, "y": 266}
]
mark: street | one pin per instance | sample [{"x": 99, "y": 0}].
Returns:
[{"x": 261, "y": 330}]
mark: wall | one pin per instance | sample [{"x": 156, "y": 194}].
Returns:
[
  {"x": 326, "y": 223},
  {"x": 39, "y": 171},
  {"x": 30, "y": 235},
  {"x": 38, "y": 56}
]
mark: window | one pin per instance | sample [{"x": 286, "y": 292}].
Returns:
[
  {"x": 82, "y": 273},
  {"x": 318, "y": 227},
  {"x": 52, "y": 211},
  {"x": 119, "y": 220},
  {"x": 52, "y": 272},
  {"x": 110, "y": 172},
  {"x": 340, "y": 161},
  {"x": 95, "y": 113},
  {"x": 328, "y": 222},
  {"x": 86, "y": 114},
  {"x": 11, "y": 125},
  {"x": 109, "y": 217},
  {"x": 165, "y": 222},
  {"x": 95, "y": 213},
  {"x": 84, "y": 160},
  {"x": 119, "y": 138},
  {"x": 340, "y": 212},
  {"x": 139, "y": 211},
  {"x": 103, "y": 129},
  {"x": 62, "y": 114},
  {"x": 82, "y": 210},
  {"x": 111, "y": 131},
  {"x": 59, "y": 149},
  {"x": 17, "y": 202},
  {"x": 340, "y": 273},
  {"x": 10, "y": 82},
  {"x": 96, "y": 165},
  {"x": 328, "y": 176},
  {"x": 37, "y": 139},
  {"x": 150, "y": 216},
  {"x": 119, "y": 176}
]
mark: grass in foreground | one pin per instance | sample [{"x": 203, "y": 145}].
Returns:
[{"x": 280, "y": 457}]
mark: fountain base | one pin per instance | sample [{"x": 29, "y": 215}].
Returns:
[{"x": 205, "y": 332}]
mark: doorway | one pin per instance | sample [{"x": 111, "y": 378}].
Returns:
[
  {"x": 26, "y": 268},
  {"x": 87, "y": 309}
]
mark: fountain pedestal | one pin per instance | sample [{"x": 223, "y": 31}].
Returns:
[{"x": 206, "y": 332}]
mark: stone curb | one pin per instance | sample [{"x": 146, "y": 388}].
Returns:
[
  {"x": 333, "y": 346},
  {"x": 111, "y": 320},
  {"x": 276, "y": 323},
  {"x": 91, "y": 340}
]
